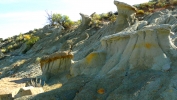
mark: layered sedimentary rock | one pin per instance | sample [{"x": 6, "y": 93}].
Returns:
[
  {"x": 55, "y": 63},
  {"x": 29, "y": 91},
  {"x": 126, "y": 15},
  {"x": 85, "y": 21},
  {"x": 10, "y": 87},
  {"x": 89, "y": 65},
  {"x": 150, "y": 47},
  {"x": 69, "y": 44}
]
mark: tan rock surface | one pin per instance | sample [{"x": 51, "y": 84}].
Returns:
[
  {"x": 11, "y": 85},
  {"x": 55, "y": 63},
  {"x": 126, "y": 15},
  {"x": 29, "y": 91}
]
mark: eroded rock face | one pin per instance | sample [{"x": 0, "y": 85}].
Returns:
[
  {"x": 56, "y": 63},
  {"x": 29, "y": 91},
  {"x": 126, "y": 15},
  {"x": 10, "y": 87},
  {"x": 69, "y": 44},
  {"x": 136, "y": 63},
  {"x": 89, "y": 65},
  {"x": 150, "y": 47},
  {"x": 85, "y": 21}
]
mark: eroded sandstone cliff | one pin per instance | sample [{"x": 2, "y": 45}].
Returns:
[{"x": 124, "y": 60}]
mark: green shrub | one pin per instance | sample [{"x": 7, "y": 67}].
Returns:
[
  {"x": 141, "y": 12},
  {"x": 61, "y": 20},
  {"x": 30, "y": 43},
  {"x": 95, "y": 20},
  {"x": 32, "y": 40},
  {"x": 3, "y": 50},
  {"x": 9, "y": 48},
  {"x": 20, "y": 37},
  {"x": 77, "y": 22},
  {"x": 146, "y": 5},
  {"x": 161, "y": 4},
  {"x": 113, "y": 18}
]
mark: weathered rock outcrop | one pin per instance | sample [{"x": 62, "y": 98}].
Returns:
[
  {"x": 150, "y": 47},
  {"x": 138, "y": 62},
  {"x": 126, "y": 15},
  {"x": 29, "y": 91},
  {"x": 56, "y": 63},
  {"x": 89, "y": 65},
  {"x": 10, "y": 87},
  {"x": 85, "y": 21},
  {"x": 74, "y": 42}
]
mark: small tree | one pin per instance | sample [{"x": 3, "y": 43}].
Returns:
[{"x": 63, "y": 20}]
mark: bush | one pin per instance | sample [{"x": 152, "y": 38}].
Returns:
[
  {"x": 20, "y": 37},
  {"x": 146, "y": 5},
  {"x": 9, "y": 47},
  {"x": 27, "y": 37},
  {"x": 161, "y": 4},
  {"x": 113, "y": 18},
  {"x": 3, "y": 50},
  {"x": 30, "y": 43},
  {"x": 140, "y": 12},
  {"x": 97, "y": 20},
  {"x": 61, "y": 20},
  {"x": 32, "y": 40}
]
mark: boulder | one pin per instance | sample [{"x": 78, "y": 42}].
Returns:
[
  {"x": 29, "y": 91},
  {"x": 55, "y": 63},
  {"x": 126, "y": 15}
]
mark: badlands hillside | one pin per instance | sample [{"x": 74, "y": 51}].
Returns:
[{"x": 132, "y": 58}]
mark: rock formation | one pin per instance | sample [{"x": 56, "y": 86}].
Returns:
[
  {"x": 89, "y": 65},
  {"x": 135, "y": 62},
  {"x": 56, "y": 63},
  {"x": 150, "y": 47},
  {"x": 69, "y": 44},
  {"x": 29, "y": 91},
  {"x": 126, "y": 15},
  {"x": 85, "y": 21},
  {"x": 10, "y": 87}
]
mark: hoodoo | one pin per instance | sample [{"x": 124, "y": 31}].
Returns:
[
  {"x": 56, "y": 63},
  {"x": 126, "y": 15}
]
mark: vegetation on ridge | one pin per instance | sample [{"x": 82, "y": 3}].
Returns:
[{"x": 155, "y": 5}]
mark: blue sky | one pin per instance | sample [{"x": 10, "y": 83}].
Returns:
[{"x": 20, "y": 16}]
